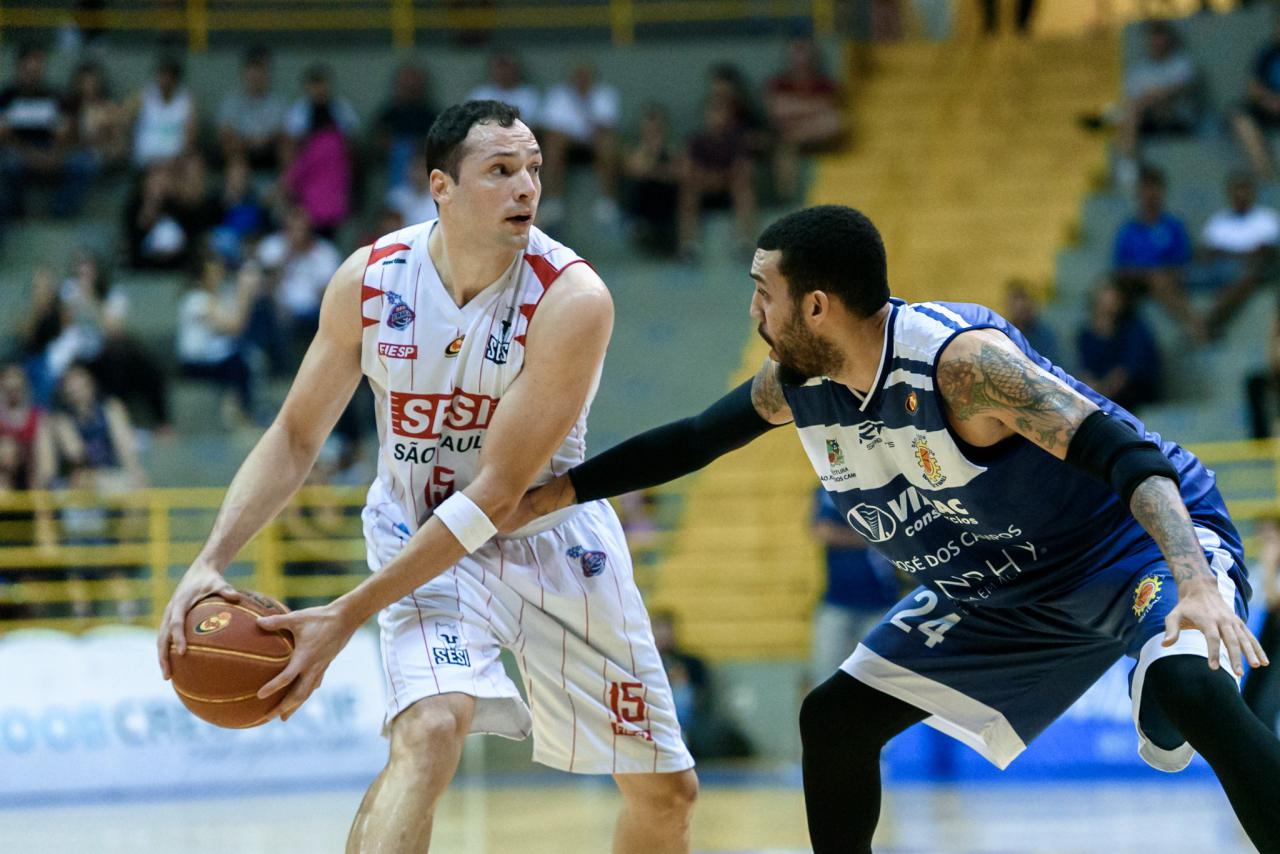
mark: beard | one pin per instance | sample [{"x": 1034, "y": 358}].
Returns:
[{"x": 802, "y": 355}]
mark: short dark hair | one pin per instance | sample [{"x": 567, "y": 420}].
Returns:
[
  {"x": 258, "y": 54},
  {"x": 835, "y": 249},
  {"x": 445, "y": 140},
  {"x": 26, "y": 50},
  {"x": 170, "y": 64}
]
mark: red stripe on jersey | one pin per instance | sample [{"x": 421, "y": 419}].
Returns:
[
  {"x": 547, "y": 276},
  {"x": 390, "y": 249},
  {"x": 366, "y": 322},
  {"x": 367, "y": 293}
]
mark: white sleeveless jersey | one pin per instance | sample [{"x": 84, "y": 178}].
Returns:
[{"x": 439, "y": 371}]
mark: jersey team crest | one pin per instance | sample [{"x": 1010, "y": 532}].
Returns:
[
  {"x": 835, "y": 456},
  {"x": 401, "y": 315},
  {"x": 928, "y": 461}
]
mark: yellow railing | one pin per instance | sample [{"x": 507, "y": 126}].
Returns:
[
  {"x": 402, "y": 20},
  {"x": 76, "y": 559}
]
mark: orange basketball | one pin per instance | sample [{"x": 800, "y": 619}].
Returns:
[{"x": 228, "y": 659}]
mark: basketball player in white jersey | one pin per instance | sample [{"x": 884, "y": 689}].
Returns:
[{"x": 482, "y": 339}]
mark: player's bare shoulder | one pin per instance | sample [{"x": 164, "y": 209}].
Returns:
[
  {"x": 576, "y": 307},
  {"x": 767, "y": 396}
]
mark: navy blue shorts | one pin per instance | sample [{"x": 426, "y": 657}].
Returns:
[{"x": 995, "y": 678}]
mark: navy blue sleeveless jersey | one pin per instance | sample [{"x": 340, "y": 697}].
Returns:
[{"x": 1004, "y": 525}]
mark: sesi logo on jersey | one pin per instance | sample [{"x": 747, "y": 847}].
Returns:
[{"x": 426, "y": 416}]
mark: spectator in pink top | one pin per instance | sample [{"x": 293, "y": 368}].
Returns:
[{"x": 319, "y": 177}]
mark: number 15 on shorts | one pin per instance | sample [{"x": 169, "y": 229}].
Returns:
[{"x": 933, "y": 630}]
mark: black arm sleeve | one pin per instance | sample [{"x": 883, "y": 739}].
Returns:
[
  {"x": 1112, "y": 451},
  {"x": 672, "y": 450}
]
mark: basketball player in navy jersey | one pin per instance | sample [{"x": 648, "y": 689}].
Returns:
[{"x": 1049, "y": 531}]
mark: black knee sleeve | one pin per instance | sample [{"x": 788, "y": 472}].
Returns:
[{"x": 844, "y": 710}]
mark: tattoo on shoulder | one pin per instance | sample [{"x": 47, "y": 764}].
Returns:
[
  {"x": 994, "y": 379},
  {"x": 766, "y": 392}
]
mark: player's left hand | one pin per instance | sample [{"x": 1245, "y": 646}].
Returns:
[
  {"x": 1200, "y": 606},
  {"x": 319, "y": 634}
]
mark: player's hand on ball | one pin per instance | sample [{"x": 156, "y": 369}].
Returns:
[
  {"x": 1200, "y": 606},
  {"x": 319, "y": 634},
  {"x": 200, "y": 580}
]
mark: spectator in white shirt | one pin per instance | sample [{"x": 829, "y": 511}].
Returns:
[
  {"x": 164, "y": 114},
  {"x": 302, "y": 264},
  {"x": 1241, "y": 243},
  {"x": 507, "y": 84},
  {"x": 1160, "y": 97},
  {"x": 251, "y": 118},
  {"x": 211, "y": 318},
  {"x": 580, "y": 121},
  {"x": 412, "y": 199}
]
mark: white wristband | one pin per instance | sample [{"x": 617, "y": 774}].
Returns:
[{"x": 465, "y": 521}]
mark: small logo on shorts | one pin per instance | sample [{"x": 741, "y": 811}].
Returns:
[
  {"x": 1147, "y": 594},
  {"x": 593, "y": 563},
  {"x": 453, "y": 651},
  {"x": 216, "y": 623},
  {"x": 913, "y": 402}
]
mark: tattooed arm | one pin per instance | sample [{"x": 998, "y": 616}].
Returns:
[
  {"x": 991, "y": 391},
  {"x": 766, "y": 395}
]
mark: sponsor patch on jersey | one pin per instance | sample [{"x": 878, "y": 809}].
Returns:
[
  {"x": 455, "y": 347},
  {"x": 497, "y": 350},
  {"x": 427, "y": 416},
  {"x": 1146, "y": 595},
  {"x": 397, "y": 351},
  {"x": 872, "y": 522},
  {"x": 400, "y": 315},
  {"x": 214, "y": 624},
  {"x": 913, "y": 402},
  {"x": 593, "y": 562},
  {"x": 835, "y": 456},
  {"x": 928, "y": 461}
]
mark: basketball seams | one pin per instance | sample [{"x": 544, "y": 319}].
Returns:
[{"x": 235, "y": 653}]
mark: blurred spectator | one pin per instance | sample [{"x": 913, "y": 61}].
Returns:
[
  {"x": 36, "y": 142},
  {"x": 25, "y": 423},
  {"x": 860, "y": 588},
  {"x": 1117, "y": 352},
  {"x": 1022, "y": 310},
  {"x": 726, "y": 83},
  {"x": 243, "y": 215},
  {"x": 580, "y": 120},
  {"x": 719, "y": 172},
  {"x": 507, "y": 84},
  {"x": 404, "y": 122},
  {"x": 1261, "y": 690},
  {"x": 164, "y": 117},
  {"x": 386, "y": 220},
  {"x": 805, "y": 110},
  {"x": 97, "y": 120},
  {"x": 251, "y": 117},
  {"x": 1240, "y": 241},
  {"x": 412, "y": 199},
  {"x": 1160, "y": 97},
  {"x": 318, "y": 177},
  {"x": 1151, "y": 253},
  {"x": 709, "y": 734},
  {"x": 168, "y": 214},
  {"x": 302, "y": 263},
  {"x": 313, "y": 524},
  {"x": 1024, "y": 10},
  {"x": 1262, "y": 388},
  {"x": 652, "y": 170},
  {"x": 121, "y": 364},
  {"x": 43, "y": 322},
  {"x": 95, "y": 435},
  {"x": 318, "y": 101},
  {"x": 1261, "y": 109},
  {"x": 211, "y": 317}
]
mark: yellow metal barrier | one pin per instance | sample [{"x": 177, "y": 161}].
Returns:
[
  {"x": 76, "y": 559},
  {"x": 402, "y": 19}
]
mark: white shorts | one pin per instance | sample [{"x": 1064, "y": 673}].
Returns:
[{"x": 565, "y": 603}]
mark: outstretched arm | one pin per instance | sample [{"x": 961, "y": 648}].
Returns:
[
  {"x": 667, "y": 452},
  {"x": 992, "y": 390}
]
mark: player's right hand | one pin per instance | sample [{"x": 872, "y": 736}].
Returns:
[{"x": 200, "y": 580}]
